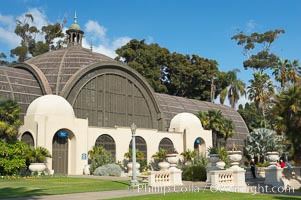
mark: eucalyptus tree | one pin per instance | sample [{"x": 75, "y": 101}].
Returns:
[
  {"x": 234, "y": 89},
  {"x": 260, "y": 91},
  {"x": 29, "y": 46},
  {"x": 257, "y": 48}
]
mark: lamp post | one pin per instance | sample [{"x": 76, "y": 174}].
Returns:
[{"x": 134, "y": 181}]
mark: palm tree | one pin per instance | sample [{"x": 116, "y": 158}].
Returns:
[
  {"x": 287, "y": 113},
  {"x": 286, "y": 71},
  {"x": 234, "y": 90},
  {"x": 212, "y": 120},
  {"x": 227, "y": 130},
  {"x": 9, "y": 119},
  {"x": 260, "y": 91}
]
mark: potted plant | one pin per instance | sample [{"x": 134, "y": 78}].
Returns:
[
  {"x": 128, "y": 155},
  {"x": 37, "y": 157},
  {"x": 214, "y": 158},
  {"x": 172, "y": 157},
  {"x": 188, "y": 155},
  {"x": 234, "y": 156},
  {"x": 161, "y": 157}
]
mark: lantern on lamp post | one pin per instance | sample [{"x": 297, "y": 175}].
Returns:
[{"x": 134, "y": 181}]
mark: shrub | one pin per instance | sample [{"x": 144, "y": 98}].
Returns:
[
  {"x": 195, "y": 172},
  {"x": 108, "y": 170},
  {"x": 105, "y": 157},
  {"x": 12, "y": 157}
]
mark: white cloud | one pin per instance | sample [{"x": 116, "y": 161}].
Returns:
[
  {"x": 7, "y": 35},
  {"x": 96, "y": 33}
]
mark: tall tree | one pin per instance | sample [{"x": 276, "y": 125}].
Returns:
[
  {"x": 29, "y": 46},
  {"x": 149, "y": 60},
  {"x": 9, "y": 119},
  {"x": 286, "y": 72},
  {"x": 287, "y": 114},
  {"x": 260, "y": 91},
  {"x": 171, "y": 73},
  {"x": 221, "y": 127},
  {"x": 263, "y": 58},
  {"x": 252, "y": 116},
  {"x": 234, "y": 90}
]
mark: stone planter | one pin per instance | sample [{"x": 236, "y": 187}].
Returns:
[
  {"x": 163, "y": 166},
  {"x": 234, "y": 157},
  {"x": 272, "y": 157},
  {"x": 37, "y": 167},
  {"x": 130, "y": 167},
  {"x": 172, "y": 159},
  {"x": 220, "y": 164},
  {"x": 214, "y": 158}
]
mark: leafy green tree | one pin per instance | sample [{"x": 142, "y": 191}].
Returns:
[
  {"x": 149, "y": 60},
  {"x": 171, "y": 73},
  {"x": 234, "y": 90},
  {"x": 9, "y": 119},
  {"x": 3, "y": 61},
  {"x": 252, "y": 116},
  {"x": 263, "y": 58},
  {"x": 28, "y": 34},
  {"x": 287, "y": 113}
]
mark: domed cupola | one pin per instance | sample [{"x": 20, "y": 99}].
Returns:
[{"x": 75, "y": 34}]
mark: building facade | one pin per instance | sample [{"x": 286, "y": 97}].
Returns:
[{"x": 74, "y": 98}]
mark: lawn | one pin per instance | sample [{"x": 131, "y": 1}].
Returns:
[
  {"x": 212, "y": 195},
  {"x": 23, "y": 187}
]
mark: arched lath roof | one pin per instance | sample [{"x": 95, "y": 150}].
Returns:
[
  {"x": 172, "y": 105},
  {"x": 21, "y": 85},
  {"x": 59, "y": 65}
]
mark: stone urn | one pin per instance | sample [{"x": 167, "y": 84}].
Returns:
[
  {"x": 130, "y": 167},
  {"x": 172, "y": 159},
  {"x": 163, "y": 166},
  {"x": 37, "y": 167},
  {"x": 272, "y": 157},
  {"x": 234, "y": 157},
  {"x": 220, "y": 164},
  {"x": 214, "y": 158}
]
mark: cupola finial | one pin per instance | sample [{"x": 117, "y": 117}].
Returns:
[{"x": 75, "y": 21}]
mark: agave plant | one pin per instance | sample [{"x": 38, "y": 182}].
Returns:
[{"x": 261, "y": 141}]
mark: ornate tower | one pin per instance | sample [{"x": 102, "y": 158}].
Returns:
[{"x": 75, "y": 34}]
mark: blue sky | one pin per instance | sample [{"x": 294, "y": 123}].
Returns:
[{"x": 197, "y": 27}]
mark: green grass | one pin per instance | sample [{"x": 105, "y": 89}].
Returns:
[
  {"x": 212, "y": 195},
  {"x": 23, "y": 187}
]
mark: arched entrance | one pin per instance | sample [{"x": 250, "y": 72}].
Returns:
[
  {"x": 60, "y": 152},
  {"x": 28, "y": 139},
  {"x": 141, "y": 146},
  {"x": 108, "y": 143},
  {"x": 200, "y": 146},
  {"x": 166, "y": 144}
]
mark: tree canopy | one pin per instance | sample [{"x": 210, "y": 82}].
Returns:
[{"x": 172, "y": 73}]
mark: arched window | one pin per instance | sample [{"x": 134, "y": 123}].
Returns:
[
  {"x": 108, "y": 143},
  {"x": 140, "y": 145},
  {"x": 28, "y": 139},
  {"x": 199, "y": 146},
  {"x": 166, "y": 144}
]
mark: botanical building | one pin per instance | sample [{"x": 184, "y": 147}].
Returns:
[{"x": 74, "y": 98}]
